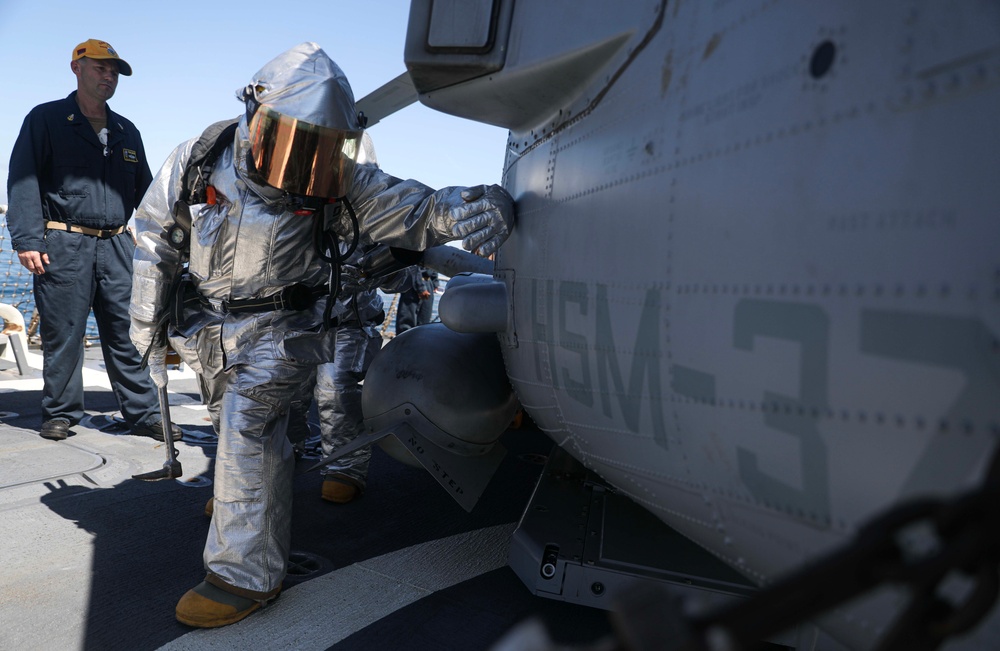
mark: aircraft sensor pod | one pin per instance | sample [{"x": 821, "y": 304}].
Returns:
[
  {"x": 445, "y": 396},
  {"x": 453, "y": 381}
]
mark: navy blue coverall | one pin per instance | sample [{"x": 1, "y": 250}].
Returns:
[
  {"x": 59, "y": 172},
  {"x": 411, "y": 310},
  {"x": 425, "y": 310}
]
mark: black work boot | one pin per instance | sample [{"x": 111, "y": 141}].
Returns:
[
  {"x": 155, "y": 431},
  {"x": 56, "y": 429}
]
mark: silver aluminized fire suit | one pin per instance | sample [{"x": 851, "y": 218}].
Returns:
[{"x": 250, "y": 245}]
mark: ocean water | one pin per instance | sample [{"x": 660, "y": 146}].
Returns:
[{"x": 15, "y": 281}]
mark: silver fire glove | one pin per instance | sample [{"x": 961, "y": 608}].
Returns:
[
  {"x": 484, "y": 220},
  {"x": 142, "y": 335},
  {"x": 157, "y": 363},
  {"x": 351, "y": 280}
]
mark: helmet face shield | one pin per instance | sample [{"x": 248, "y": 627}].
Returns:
[{"x": 302, "y": 158}]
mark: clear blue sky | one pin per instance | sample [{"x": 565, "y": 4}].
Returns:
[{"x": 188, "y": 58}]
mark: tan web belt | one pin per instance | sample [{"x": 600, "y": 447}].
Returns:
[{"x": 96, "y": 232}]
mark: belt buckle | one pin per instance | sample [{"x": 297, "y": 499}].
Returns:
[{"x": 297, "y": 297}]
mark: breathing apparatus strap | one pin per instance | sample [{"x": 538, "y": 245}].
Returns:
[
  {"x": 194, "y": 182},
  {"x": 326, "y": 237},
  {"x": 205, "y": 152}
]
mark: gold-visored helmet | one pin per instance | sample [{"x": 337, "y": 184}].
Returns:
[{"x": 303, "y": 124}]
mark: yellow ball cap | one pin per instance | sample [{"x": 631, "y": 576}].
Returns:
[{"x": 94, "y": 49}]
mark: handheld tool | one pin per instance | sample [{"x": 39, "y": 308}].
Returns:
[{"x": 171, "y": 467}]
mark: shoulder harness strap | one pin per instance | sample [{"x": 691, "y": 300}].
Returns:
[
  {"x": 203, "y": 156},
  {"x": 194, "y": 183}
]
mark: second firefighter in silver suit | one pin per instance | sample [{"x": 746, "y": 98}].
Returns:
[
  {"x": 338, "y": 388},
  {"x": 298, "y": 140}
]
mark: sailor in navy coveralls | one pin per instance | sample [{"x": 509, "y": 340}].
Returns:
[{"x": 77, "y": 172}]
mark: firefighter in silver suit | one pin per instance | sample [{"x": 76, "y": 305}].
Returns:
[{"x": 262, "y": 278}]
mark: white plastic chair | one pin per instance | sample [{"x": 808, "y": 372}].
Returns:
[{"x": 14, "y": 332}]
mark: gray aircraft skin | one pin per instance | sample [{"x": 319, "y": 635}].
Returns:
[
  {"x": 753, "y": 285},
  {"x": 754, "y": 281}
]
